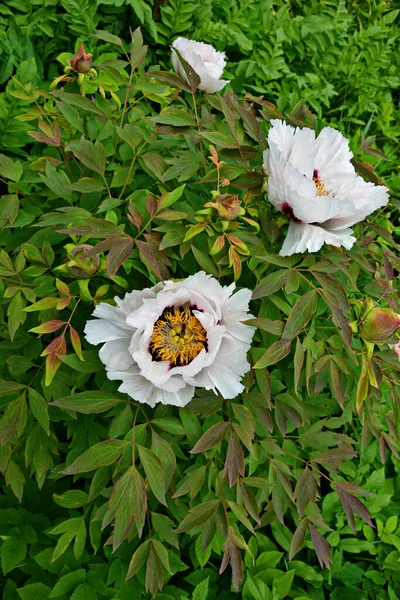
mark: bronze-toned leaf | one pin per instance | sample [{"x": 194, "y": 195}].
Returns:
[
  {"x": 212, "y": 437},
  {"x": 234, "y": 463},
  {"x": 297, "y": 539},
  {"x": 321, "y": 547}
]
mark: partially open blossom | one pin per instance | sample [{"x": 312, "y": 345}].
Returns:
[
  {"x": 313, "y": 182},
  {"x": 379, "y": 325},
  {"x": 227, "y": 206},
  {"x": 165, "y": 341},
  {"x": 81, "y": 62},
  {"x": 204, "y": 59}
]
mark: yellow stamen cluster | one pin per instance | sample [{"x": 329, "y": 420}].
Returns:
[
  {"x": 321, "y": 189},
  {"x": 178, "y": 337}
]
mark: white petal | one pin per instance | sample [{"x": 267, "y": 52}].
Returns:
[
  {"x": 234, "y": 310},
  {"x": 115, "y": 354},
  {"x": 204, "y": 59},
  {"x": 301, "y": 237},
  {"x": 332, "y": 157},
  {"x": 111, "y": 314},
  {"x": 99, "y": 330},
  {"x": 133, "y": 384},
  {"x": 211, "y": 86}
]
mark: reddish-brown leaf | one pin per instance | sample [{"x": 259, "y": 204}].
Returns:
[
  {"x": 211, "y": 438},
  {"x": 48, "y": 327},
  {"x": 234, "y": 464},
  {"x": 118, "y": 254},
  {"x": 321, "y": 547},
  {"x": 76, "y": 342},
  {"x": 351, "y": 505},
  {"x": 305, "y": 490},
  {"x": 297, "y": 539}
]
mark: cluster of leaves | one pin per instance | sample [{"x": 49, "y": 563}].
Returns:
[{"x": 139, "y": 180}]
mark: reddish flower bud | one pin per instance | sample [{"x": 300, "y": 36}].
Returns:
[
  {"x": 379, "y": 325},
  {"x": 81, "y": 62}
]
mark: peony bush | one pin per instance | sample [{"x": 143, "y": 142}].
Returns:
[{"x": 234, "y": 267}]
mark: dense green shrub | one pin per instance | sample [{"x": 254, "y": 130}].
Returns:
[{"x": 124, "y": 173}]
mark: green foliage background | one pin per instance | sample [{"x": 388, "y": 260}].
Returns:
[{"x": 142, "y": 155}]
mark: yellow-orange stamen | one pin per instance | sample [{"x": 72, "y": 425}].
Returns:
[
  {"x": 178, "y": 337},
  {"x": 321, "y": 189}
]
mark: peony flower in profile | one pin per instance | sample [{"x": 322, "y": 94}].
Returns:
[
  {"x": 204, "y": 59},
  {"x": 313, "y": 182},
  {"x": 165, "y": 341}
]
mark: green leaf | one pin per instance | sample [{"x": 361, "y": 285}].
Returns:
[
  {"x": 176, "y": 117},
  {"x": 99, "y": 455},
  {"x": 169, "y": 198},
  {"x": 39, "y": 409},
  {"x": 198, "y": 515},
  {"x": 57, "y": 182},
  {"x": 270, "y": 284},
  {"x": 71, "y": 499},
  {"x": 43, "y": 304},
  {"x": 204, "y": 261},
  {"x": 7, "y": 388},
  {"x": 12, "y": 553},
  {"x": 154, "y": 473},
  {"x": 282, "y": 585},
  {"x": 274, "y": 354},
  {"x": 90, "y": 364},
  {"x": 93, "y": 156},
  {"x": 88, "y": 402},
  {"x": 84, "y": 592},
  {"x": 9, "y": 207},
  {"x": 138, "y": 559},
  {"x": 300, "y": 314},
  {"x": 201, "y": 591},
  {"x": 86, "y": 185},
  {"x": 106, "y": 36},
  {"x": 71, "y": 115},
  {"x": 68, "y": 582},
  {"x": 34, "y": 591},
  {"x": 169, "y": 424},
  {"x": 16, "y": 314},
  {"x": 212, "y": 437},
  {"x": 10, "y": 169}
]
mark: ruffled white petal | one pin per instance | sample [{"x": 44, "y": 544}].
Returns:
[
  {"x": 126, "y": 332},
  {"x": 296, "y": 162},
  {"x": 302, "y": 236}
]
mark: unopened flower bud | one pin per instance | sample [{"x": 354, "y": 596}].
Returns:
[
  {"x": 379, "y": 325},
  {"x": 81, "y": 62},
  {"x": 80, "y": 265}
]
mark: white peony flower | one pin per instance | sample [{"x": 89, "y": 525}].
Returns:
[
  {"x": 165, "y": 341},
  {"x": 312, "y": 180},
  {"x": 204, "y": 59}
]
